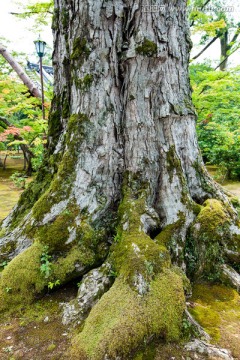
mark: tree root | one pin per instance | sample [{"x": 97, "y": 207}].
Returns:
[
  {"x": 91, "y": 289},
  {"x": 202, "y": 347},
  {"x": 202, "y": 333},
  {"x": 230, "y": 277}
]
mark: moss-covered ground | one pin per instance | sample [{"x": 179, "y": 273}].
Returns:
[{"x": 217, "y": 309}]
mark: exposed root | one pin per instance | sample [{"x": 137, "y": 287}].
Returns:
[
  {"x": 91, "y": 289},
  {"x": 196, "y": 326},
  {"x": 202, "y": 347},
  {"x": 231, "y": 277},
  {"x": 122, "y": 320}
]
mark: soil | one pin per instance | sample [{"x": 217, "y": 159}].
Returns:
[{"x": 36, "y": 332}]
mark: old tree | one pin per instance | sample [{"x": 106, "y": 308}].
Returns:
[{"x": 123, "y": 189}]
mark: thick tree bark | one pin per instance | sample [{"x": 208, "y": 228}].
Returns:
[{"x": 123, "y": 186}]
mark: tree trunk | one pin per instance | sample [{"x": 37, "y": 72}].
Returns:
[
  {"x": 224, "y": 51},
  {"x": 123, "y": 187}
]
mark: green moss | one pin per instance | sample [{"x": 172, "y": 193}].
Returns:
[
  {"x": 213, "y": 306},
  {"x": 81, "y": 51},
  {"x": 65, "y": 18},
  {"x": 8, "y": 248},
  {"x": 168, "y": 235},
  {"x": 212, "y": 215},
  {"x": 173, "y": 162},
  {"x": 21, "y": 280},
  {"x": 55, "y": 19},
  {"x": 54, "y": 123},
  {"x": 33, "y": 192},
  {"x": 196, "y": 208},
  {"x": 65, "y": 269},
  {"x": 2, "y": 232},
  {"x": 66, "y": 108},
  {"x": 209, "y": 319},
  {"x": 204, "y": 250},
  {"x": 84, "y": 83},
  {"x": 61, "y": 184},
  {"x": 57, "y": 233},
  {"x": 137, "y": 254},
  {"x": 147, "y": 48},
  {"x": 51, "y": 347},
  {"x": 131, "y": 312},
  {"x": 121, "y": 321}
]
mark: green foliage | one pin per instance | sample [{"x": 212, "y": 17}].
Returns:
[
  {"x": 3, "y": 264},
  {"x": 41, "y": 11},
  {"x": 53, "y": 284},
  {"x": 216, "y": 97},
  {"x": 19, "y": 180},
  {"x": 24, "y": 113}
]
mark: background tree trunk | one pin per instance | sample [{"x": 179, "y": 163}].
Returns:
[
  {"x": 224, "y": 51},
  {"x": 123, "y": 182}
]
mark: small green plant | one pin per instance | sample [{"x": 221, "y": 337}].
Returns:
[
  {"x": 117, "y": 238},
  {"x": 51, "y": 284},
  {"x": 4, "y": 264},
  {"x": 8, "y": 289},
  {"x": 188, "y": 330},
  {"x": 19, "y": 180},
  {"x": 8, "y": 349},
  {"x": 113, "y": 273},
  {"x": 46, "y": 262}
]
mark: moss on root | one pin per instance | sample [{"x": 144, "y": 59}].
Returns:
[
  {"x": 147, "y": 299},
  {"x": 207, "y": 239},
  {"x": 121, "y": 321},
  {"x": 22, "y": 279}
]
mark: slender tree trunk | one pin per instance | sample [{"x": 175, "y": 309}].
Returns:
[
  {"x": 224, "y": 51},
  {"x": 123, "y": 187}
]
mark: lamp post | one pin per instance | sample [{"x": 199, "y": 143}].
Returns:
[{"x": 40, "y": 49}]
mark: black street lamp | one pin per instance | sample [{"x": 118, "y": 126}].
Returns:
[{"x": 40, "y": 49}]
